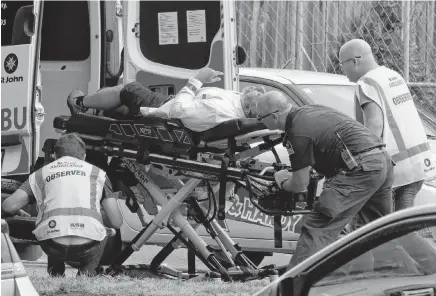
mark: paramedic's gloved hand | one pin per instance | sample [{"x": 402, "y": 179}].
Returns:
[
  {"x": 281, "y": 176},
  {"x": 208, "y": 75}
]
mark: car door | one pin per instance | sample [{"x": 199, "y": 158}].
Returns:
[
  {"x": 22, "y": 112},
  {"x": 386, "y": 257}
]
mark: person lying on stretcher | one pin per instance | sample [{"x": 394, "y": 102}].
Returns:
[{"x": 199, "y": 108}]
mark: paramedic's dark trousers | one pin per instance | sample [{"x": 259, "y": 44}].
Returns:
[
  {"x": 87, "y": 256},
  {"x": 365, "y": 191}
]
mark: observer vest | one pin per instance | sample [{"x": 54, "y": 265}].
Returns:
[
  {"x": 403, "y": 133},
  {"x": 68, "y": 193}
]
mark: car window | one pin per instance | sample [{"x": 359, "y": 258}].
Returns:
[
  {"x": 244, "y": 84},
  {"x": 339, "y": 97},
  {"x": 411, "y": 255}
]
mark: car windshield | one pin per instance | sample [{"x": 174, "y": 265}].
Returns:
[
  {"x": 408, "y": 256},
  {"x": 341, "y": 97}
]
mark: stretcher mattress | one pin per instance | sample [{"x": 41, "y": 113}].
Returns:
[{"x": 152, "y": 127}]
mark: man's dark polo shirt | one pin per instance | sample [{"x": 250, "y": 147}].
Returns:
[{"x": 311, "y": 132}]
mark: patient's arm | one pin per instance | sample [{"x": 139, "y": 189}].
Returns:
[{"x": 184, "y": 102}]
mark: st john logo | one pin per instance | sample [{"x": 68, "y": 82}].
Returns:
[
  {"x": 52, "y": 224},
  {"x": 11, "y": 63}
]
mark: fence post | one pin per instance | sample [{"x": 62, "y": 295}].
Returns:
[
  {"x": 406, "y": 37},
  {"x": 430, "y": 37},
  {"x": 299, "y": 55},
  {"x": 254, "y": 34}
]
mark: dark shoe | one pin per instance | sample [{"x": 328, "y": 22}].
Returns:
[{"x": 72, "y": 102}]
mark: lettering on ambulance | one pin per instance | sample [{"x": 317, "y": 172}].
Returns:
[
  {"x": 8, "y": 122},
  {"x": 244, "y": 210},
  {"x": 10, "y": 65},
  {"x": 64, "y": 174}
]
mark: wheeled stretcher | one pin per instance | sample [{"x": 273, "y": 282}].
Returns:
[{"x": 222, "y": 156}]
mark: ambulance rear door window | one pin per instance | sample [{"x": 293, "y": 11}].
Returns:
[{"x": 65, "y": 31}]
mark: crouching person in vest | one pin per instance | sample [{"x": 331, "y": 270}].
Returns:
[
  {"x": 69, "y": 193},
  {"x": 385, "y": 105}
]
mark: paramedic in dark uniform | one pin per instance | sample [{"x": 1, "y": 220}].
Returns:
[{"x": 358, "y": 171}]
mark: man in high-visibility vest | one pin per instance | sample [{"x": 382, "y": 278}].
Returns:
[
  {"x": 385, "y": 105},
  {"x": 68, "y": 193}
]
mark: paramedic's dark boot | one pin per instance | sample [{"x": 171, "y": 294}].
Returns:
[{"x": 75, "y": 102}]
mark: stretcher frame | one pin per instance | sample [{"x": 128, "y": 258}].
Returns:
[{"x": 209, "y": 166}]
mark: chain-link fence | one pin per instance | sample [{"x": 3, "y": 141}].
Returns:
[{"x": 307, "y": 35}]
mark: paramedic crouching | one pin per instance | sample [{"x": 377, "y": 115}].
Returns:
[
  {"x": 358, "y": 170},
  {"x": 68, "y": 193}
]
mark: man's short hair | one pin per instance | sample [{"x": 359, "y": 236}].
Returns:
[
  {"x": 249, "y": 98},
  {"x": 70, "y": 145}
]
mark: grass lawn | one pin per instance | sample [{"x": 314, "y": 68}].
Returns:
[{"x": 122, "y": 285}]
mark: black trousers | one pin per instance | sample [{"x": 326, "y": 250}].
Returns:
[
  {"x": 86, "y": 256},
  {"x": 134, "y": 96},
  {"x": 365, "y": 192}
]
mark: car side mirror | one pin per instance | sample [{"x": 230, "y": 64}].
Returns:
[
  {"x": 24, "y": 25},
  {"x": 241, "y": 55}
]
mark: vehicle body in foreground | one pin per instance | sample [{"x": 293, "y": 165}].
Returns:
[
  {"x": 384, "y": 257},
  {"x": 14, "y": 280}
]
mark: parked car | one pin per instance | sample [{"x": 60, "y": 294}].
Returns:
[
  {"x": 245, "y": 224},
  {"x": 385, "y": 257},
  {"x": 15, "y": 281}
]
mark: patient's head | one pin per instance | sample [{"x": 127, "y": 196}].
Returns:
[
  {"x": 272, "y": 109},
  {"x": 70, "y": 145},
  {"x": 249, "y": 97}
]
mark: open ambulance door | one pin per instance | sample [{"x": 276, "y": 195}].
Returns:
[
  {"x": 22, "y": 112},
  {"x": 166, "y": 42}
]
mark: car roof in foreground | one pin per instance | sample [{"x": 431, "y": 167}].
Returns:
[
  {"x": 296, "y": 76},
  {"x": 415, "y": 211}
]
